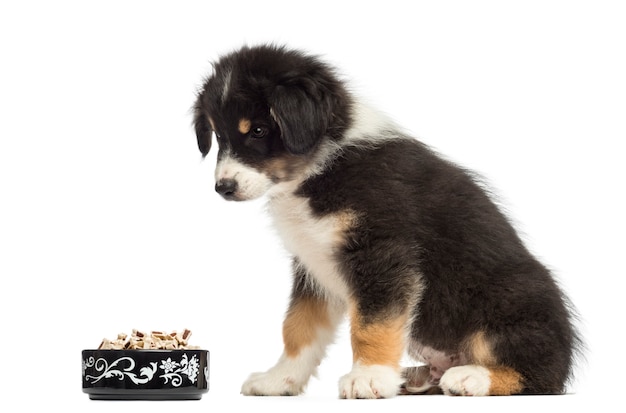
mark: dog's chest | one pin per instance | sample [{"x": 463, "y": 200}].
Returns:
[{"x": 313, "y": 240}]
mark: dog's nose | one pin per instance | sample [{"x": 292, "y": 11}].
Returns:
[{"x": 226, "y": 188}]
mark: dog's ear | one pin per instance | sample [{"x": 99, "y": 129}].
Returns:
[
  {"x": 303, "y": 115},
  {"x": 204, "y": 131}
]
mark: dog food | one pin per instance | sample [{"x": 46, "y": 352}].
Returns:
[{"x": 156, "y": 340}]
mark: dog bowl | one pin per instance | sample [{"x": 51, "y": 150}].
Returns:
[{"x": 145, "y": 374}]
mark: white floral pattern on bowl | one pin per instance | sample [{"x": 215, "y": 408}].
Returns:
[
  {"x": 146, "y": 374},
  {"x": 173, "y": 371}
]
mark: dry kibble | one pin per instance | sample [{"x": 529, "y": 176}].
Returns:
[{"x": 156, "y": 340}]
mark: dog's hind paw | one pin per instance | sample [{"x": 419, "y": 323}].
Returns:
[
  {"x": 370, "y": 382},
  {"x": 466, "y": 381}
]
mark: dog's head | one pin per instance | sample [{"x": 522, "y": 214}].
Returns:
[{"x": 270, "y": 109}]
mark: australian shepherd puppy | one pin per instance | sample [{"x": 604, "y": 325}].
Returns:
[{"x": 406, "y": 244}]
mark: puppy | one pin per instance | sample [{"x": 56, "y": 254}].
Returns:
[{"x": 406, "y": 244}]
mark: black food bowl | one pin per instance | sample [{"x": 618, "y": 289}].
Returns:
[{"x": 145, "y": 374}]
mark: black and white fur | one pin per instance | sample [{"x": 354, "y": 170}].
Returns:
[{"x": 406, "y": 244}]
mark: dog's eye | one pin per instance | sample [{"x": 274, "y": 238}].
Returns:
[{"x": 258, "y": 132}]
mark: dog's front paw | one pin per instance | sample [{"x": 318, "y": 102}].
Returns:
[
  {"x": 370, "y": 382},
  {"x": 466, "y": 381},
  {"x": 271, "y": 383}
]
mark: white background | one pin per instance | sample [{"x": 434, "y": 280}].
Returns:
[{"x": 108, "y": 219}]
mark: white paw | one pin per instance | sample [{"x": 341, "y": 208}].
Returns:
[
  {"x": 370, "y": 382},
  {"x": 287, "y": 378},
  {"x": 272, "y": 383},
  {"x": 466, "y": 381},
  {"x": 417, "y": 380}
]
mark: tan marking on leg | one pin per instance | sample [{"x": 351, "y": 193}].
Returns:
[
  {"x": 378, "y": 343},
  {"x": 244, "y": 126},
  {"x": 212, "y": 123},
  {"x": 302, "y": 322},
  {"x": 479, "y": 350},
  {"x": 504, "y": 381}
]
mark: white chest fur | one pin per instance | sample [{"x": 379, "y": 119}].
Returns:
[{"x": 313, "y": 240}]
